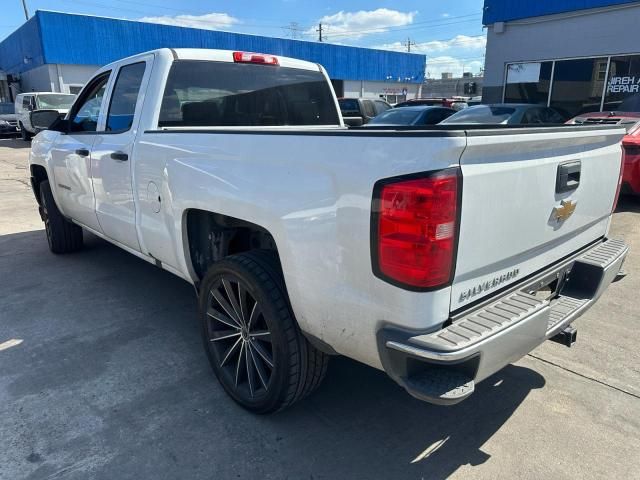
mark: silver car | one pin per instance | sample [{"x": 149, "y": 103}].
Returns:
[{"x": 507, "y": 114}]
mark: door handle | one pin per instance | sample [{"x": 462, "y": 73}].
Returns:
[
  {"x": 83, "y": 152},
  {"x": 120, "y": 156},
  {"x": 568, "y": 176}
]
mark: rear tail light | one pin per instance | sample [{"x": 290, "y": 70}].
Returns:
[
  {"x": 249, "y": 57},
  {"x": 619, "y": 187},
  {"x": 414, "y": 229}
]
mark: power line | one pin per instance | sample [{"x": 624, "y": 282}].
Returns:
[
  {"x": 319, "y": 30},
  {"x": 413, "y": 26},
  {"x": 275, "y": 24},
  {"x": 192, "y": 20},
  {"x": 450, "y": 42}
]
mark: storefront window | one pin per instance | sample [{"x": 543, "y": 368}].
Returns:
[
  {"x": 578, "y": 85},
  {"x": 623, "y": 87},
  {"x": 528, "y": 82}
]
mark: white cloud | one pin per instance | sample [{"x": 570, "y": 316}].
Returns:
[
  {"x": 462, "y": 42},
  {"x": 208, "y": 21},
  {"x": 446, "y": 15},
  {"x": 354, "y": 25},
  {"x": 436, "y": 66}
]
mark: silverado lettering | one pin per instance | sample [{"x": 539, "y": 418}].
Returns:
[{"x": 489, "y": 284}]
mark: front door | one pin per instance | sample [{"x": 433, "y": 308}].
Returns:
[
  {"x": 111, "y": 162},
  {"x": 71, "y": 156}
]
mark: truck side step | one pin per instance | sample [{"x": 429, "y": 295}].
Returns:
[
  {"x": 482, "y": 324},
  {"x": 561, "y": 308},
  {"x": 442, "y": 386}
]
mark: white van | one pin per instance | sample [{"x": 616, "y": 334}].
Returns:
[{"x": 28, "y": 102}]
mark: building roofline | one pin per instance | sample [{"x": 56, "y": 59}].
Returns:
[
  {"x": 119, "y": 19},
  {"x": 556, "y": 11}
]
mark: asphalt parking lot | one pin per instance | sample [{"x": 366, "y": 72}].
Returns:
[{"x": 102, "y": 375}]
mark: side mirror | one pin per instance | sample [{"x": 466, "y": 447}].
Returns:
[
  {"x": 353, "y": 121},
  {"x": 47, "y": 120}
]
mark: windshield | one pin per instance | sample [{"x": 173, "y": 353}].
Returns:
[
  {"x": 482, "y": 114},
  {"x": 401, "y": 116},
  {"x": 54, "y": 101}
]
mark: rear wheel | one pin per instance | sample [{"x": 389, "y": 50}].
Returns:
[
  {"x": 253, "y": 342},
  {"x": 63, "y": 236}
]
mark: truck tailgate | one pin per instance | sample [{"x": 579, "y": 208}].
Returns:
[{"x": 509, "y": 225}]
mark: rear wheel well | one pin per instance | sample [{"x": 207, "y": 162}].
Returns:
[
  {"x": 38, "y": 175},
  {"x": 213, "y": 236}
]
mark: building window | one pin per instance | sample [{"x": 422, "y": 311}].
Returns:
[
  {"x": 528, "y": 82},
  {"x": 623, "y": 86},
  {"x": 602, "y": 70},
  {"x": 577, "y": 87}
]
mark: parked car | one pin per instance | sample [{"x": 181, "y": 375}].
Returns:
[
  {"x": 28, "y": 102},
  {"x": 8, "y": 120},
  {"x": 411, "y": 116},
  {"x": 474, "y": 101},
  {"x": 454, "y": 103},
  {"x": 507, "y": 114},
  {"x": 434, "y": 255},
  {"x": 358, "y": 111},
  {"x": 630, "y": 143}
]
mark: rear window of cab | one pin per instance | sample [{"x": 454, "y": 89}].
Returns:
[{"x": 220, "y": 94}]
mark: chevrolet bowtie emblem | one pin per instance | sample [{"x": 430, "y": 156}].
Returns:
[{"x": 564, "y": 211}]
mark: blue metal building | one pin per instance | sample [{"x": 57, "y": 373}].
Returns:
[
  {"x": 58, "y": 52},
  {"x": 510, "y": 10},
  {"x": 562, "y": 53}
]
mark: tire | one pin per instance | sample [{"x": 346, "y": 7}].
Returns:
[
  {"x": 26, "y": 136},
  {"x": 62, "y": 235},
  {"x": 251, "y": 337}
]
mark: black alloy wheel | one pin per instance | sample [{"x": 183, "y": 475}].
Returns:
[{"x": 251, "y": 336}]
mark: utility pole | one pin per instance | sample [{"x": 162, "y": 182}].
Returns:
[
  {"x": 319, "y": 30},
  {"x": 409, "y": 44},
  {"x": 26, "y": 12}
]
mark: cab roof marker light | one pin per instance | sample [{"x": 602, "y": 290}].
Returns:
[{"x": 250, "y": 57}]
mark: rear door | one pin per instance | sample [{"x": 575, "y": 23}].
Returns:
[
  {"x": 111, "y": 162},
  {"x": 517, "y": 216}
]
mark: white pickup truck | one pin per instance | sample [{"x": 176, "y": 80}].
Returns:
[{"x": 439, "y": 255}]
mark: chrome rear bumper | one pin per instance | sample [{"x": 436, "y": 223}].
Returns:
[{"x": 443, "y": 366}]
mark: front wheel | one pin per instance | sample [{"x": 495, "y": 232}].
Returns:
[
  {"x": 26, "y": 136},
  {"x": 252, "y": 340},
  {"x": 63, "y": 236}
]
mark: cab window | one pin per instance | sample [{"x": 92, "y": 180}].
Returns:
[
  {"x": 381, "y": 106},
  {"x": 124, "y": 97},
  {"x": 212, "y": 94},
  {"x": 86, "y": 111},
  {"x": 26, "y": 102}
]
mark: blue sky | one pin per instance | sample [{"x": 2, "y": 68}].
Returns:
[{"x": 449, "y": 33}]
